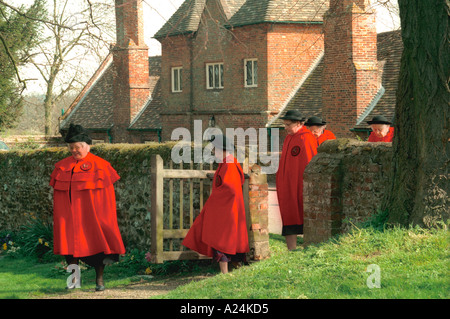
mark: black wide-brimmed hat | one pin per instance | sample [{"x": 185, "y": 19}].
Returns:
[
  {"x": 293, "y": 115},
  {"x": 315, "y": 121},
  {"x": 379, "y": 119},
  {"x": 76, "y": 134},
  {"x": 222, "y": 142}
]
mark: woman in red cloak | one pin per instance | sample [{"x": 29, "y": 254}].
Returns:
[
  {"x": 381, "y": 129},
  {"x": 299, "y": 147},
  {"x": 84, "y": 207},
  {"x": 220, "y": 230}
]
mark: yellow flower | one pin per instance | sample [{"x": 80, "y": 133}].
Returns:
[
  {"x": 148, "y": 271},
  {"x": 46, "y": 243},
  {"x": 41, "y": 241},
  {"x": 5, "y": 246}
]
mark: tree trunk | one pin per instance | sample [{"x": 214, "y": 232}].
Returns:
[{"x": 419, "y": 185}]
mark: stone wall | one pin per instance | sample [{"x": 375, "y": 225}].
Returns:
[{"x": 343, "y": 184}]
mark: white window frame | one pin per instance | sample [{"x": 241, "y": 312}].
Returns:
[
  {"x": 177, "y": 73},
  {"x": 253, "y": 76},
  {"x": 217, "y": 81}
]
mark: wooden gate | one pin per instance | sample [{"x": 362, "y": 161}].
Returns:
[{"x": 169, "y": 220}]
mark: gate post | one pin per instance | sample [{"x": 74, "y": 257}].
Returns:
[
  {"x": 258, "y": 214},
  {"x": 157, "y": 208}
]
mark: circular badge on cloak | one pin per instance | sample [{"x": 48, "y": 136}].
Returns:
[
  {"x": 295, "y": 150},
  {"x": 86, "y": 166},
  {"x": 218, "y": 180}
]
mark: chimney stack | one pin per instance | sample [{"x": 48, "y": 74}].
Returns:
[
  {"x": 350, "y": 76},
  {"x": 131, "y": 82}
]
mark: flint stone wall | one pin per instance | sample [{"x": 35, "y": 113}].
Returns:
[{"x": 343, "y": 185}]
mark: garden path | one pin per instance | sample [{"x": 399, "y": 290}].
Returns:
[{"x": 141, "y": 290}]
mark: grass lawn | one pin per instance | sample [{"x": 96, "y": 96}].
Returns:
[
  {"x": 25, "y": 278},
  {"x": 413, "y": 263}
]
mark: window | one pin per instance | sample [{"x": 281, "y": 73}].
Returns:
[
  {"x": 176, "y": 79},
  {"x": 214, "y": 76},
  {"x": 251, "y": 73}
]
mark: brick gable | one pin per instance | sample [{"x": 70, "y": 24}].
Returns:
[{"x": 284, "y": 52}]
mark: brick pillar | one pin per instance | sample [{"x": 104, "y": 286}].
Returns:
[
  {"x": 130, "y": 54},
  {"x": 350, "y": 75},
  {"x": 258, "y": 216}
]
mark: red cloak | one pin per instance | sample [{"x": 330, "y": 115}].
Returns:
[
  {"x": 326, "y": 135},
  {"x": 84, "y": 208},
  {"x": 221, "y": 225},
  {"x": 388, "y": 138},
  {"x": 298, "y": 150}
]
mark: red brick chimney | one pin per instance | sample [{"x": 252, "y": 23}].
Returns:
[
  {"x": 350, "y": 76},
  {"x": 131, "y": 82}
]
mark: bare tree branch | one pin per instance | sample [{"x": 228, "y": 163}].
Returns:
[{"x": 27, "y": 16}]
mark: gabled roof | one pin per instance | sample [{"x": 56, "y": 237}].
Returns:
[
  {"x": 244, "y": 12},
  {"x": 308, "y": 98},
  {"x": 94, "y": 106}
]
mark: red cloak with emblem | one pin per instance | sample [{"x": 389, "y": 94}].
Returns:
[
  {"x": 298, "y": 150},
  {"x": 326, "y": 135},
  {"x": 388, "y": 138},
  {"x": 84, "y": 210},
  {"x": 221, "y": 225}
]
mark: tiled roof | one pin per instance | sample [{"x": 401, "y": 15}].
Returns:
[
  {"x": 390, "y": 48},
  {"x": 258, "y": 11},
  {"x": 308, "y": 98},
  {"x": 94, "y": 107},
  {"x": 185, "y": 20},
  {"x": 241, "y": 12}
]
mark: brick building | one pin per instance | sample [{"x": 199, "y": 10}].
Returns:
[{"x": 245, "y": 62}]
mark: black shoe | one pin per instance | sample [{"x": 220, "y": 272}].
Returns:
[{"x": 99, "y": 288}]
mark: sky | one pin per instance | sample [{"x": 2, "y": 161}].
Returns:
[{"x": 158, "y": 12}]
